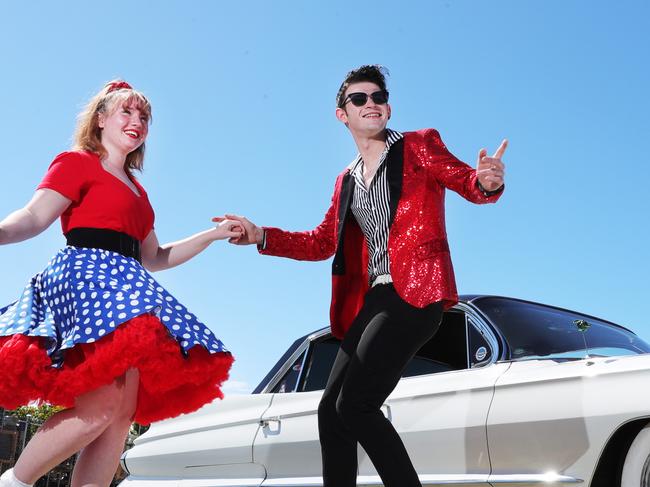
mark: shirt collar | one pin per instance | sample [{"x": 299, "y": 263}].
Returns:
[{"x": 392, "y": 136}]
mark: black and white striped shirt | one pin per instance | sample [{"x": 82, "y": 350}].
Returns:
[{"x": 370, "y": 206}]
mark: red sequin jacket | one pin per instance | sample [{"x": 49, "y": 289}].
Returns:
[{"x": 419, "y": 168}]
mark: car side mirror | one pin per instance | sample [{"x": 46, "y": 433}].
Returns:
[{"x": 583, "y": 326}]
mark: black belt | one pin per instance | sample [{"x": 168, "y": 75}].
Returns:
[{"x": 102, "y": 238}]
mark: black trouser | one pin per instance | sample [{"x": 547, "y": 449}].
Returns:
[{"x": 382, "y": 340}]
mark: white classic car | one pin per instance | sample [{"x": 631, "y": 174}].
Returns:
[{"x": 508, "y": 393}]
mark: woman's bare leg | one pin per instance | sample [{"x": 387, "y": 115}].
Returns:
[
  {"x": 98, "y": 461},
  {"x": 68, "y": 431}
]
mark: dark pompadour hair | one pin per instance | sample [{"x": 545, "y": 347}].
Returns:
[{"x": 373, "y": 73}]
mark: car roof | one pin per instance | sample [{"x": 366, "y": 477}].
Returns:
[{"x": 475, "y": 298}]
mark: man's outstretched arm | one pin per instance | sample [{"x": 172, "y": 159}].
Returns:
[
  {"x": 316, "y": 244},
  {"x": 481, "y": 185}
]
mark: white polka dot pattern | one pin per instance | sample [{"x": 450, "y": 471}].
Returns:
[{"x": 84, "y": 294}]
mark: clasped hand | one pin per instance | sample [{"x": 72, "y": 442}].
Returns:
[
  {"x": 249, "y": 234},
  {"x": 228, "y": 228}
]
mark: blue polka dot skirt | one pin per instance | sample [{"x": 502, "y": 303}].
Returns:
[{"x": 90, "y": 316}]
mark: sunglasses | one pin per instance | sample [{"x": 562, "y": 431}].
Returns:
[{"x": 360, "y": 99}]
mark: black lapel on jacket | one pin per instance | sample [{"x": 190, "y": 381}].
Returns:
[
  {"x": 347, "y": 189},
  {"x": 395, "y": 175}
]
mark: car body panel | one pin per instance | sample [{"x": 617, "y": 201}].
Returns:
[
  {"x": 288, "y": 441},
  {"x": 441, "y": 419},
  {"x": 502, "y": 420},
  {"x": 563, "y": 412},
  {"x": 216, "y": 441}
]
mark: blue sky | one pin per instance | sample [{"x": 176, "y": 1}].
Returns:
[{"x": 243, "y": 103}]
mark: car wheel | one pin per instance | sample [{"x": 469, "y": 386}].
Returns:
[{"x": 636, "y": 469}]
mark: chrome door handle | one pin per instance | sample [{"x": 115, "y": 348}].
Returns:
[{"x": 266, "y": 422}]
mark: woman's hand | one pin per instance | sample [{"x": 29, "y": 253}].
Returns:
[
  {"x": 251, "y": 233},
  {"x": 230, "y": 229},
  {"x": 156, "y": 257}
]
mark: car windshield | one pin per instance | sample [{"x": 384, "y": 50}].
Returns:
[{"x": 537, "y": 331}]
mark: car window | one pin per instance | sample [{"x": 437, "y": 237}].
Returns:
[
  {"x": 536, "y": 331},
  {"x": 278, "y": 365},
  {"x": 320, "y": 361},
  {"x": 289, "y": 381},
  {"x": 446, "y": 351}
]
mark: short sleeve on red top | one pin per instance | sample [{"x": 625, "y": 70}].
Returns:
[
  {"x": 66, "y": 175},
  {"x": 99, "y": 199}
]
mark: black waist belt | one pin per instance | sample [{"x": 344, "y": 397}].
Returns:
[{"x": 101, "y": 238}]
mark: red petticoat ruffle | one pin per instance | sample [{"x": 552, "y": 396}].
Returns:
[{"x": 170, "y": 383}]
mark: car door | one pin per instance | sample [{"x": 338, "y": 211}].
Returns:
[
  {"x": 287, "y": 443},
  {"x": 538, "y": 424},
  {"x": 212, "y": 446},
  {"x": 440, "y": 411}
]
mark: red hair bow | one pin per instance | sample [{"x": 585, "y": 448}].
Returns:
[{"x": 118, "y": 85}]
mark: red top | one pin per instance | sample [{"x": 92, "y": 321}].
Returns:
[{"x": 99, "y": 199}]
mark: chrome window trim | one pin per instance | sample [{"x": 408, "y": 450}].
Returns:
[
  {"x": 302, "y": 367},
  {"x": 303, "y": 348},
  {"x": 315, "y": 340},
  {"x": 472, "y": 317}
]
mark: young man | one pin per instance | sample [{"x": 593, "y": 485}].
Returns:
[{"x": 388, "y": 292}]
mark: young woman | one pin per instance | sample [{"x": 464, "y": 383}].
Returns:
[{"x": 94, "y": 332}]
